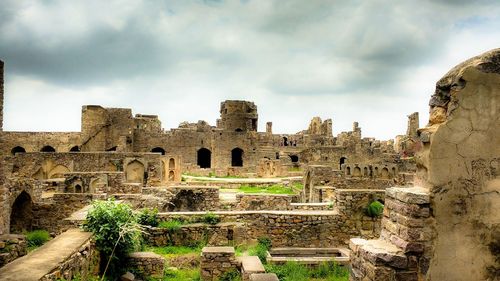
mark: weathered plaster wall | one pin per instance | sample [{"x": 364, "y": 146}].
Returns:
[{"x": 461, "y": 168}]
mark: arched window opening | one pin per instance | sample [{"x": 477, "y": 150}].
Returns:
[
  {"x": 204, "y": 158},
  {"x": 277, "y": 155},
  {"x": 237, "y": 157},
  {"x": 75, "y": 149},
  {"x": 17, "y": 149},
  {"x": 348, "y": 171},
  {"x": 384, "y": 173},
  {"x": 21, "y": 215},
  {"x": 48, "y": 148},
  {"x": 285, "y": 141},
  {"x": 365, "y": 171},
  {"x": 158, "y": 150},
  {"x": 341, "y": 162},
  {"x": 294, "y": 158},
  {"x": 78, "y": 188},
  {"x": 171, "y": 163},
  {"x": 356, "y": 172}
]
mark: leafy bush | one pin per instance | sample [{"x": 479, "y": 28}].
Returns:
[
  {"x": 148, "y": 217},
  {"x": 171, "y": 225},
  {"x": 260, "y": 251},
  {"x": 37, "y": 238},
  {"x": 211, "y": 218},
  {"x": 116, "y": 232},
  {"x": 374, "y": 209}
]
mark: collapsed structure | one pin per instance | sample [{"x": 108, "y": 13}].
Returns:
[{"x": 46, "y": 177}]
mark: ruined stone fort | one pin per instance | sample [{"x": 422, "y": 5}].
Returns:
[{"x": 439, "y": 186}]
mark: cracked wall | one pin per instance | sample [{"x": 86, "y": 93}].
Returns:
[{"x": 460, "y": 166}]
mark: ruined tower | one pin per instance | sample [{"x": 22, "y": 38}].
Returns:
[
  {"x": 238, "y": 116},
  {"x": 413, "y": 125}
]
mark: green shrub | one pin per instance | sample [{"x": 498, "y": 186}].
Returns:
[
  {"x": 115, "y": 232},
  {"x": 265, "y": 241},
  {"x": 171, "y": 225},
  {"x": 211, "y": 218},
  {"x": 374, "y": 209},
  {"x": 37, "y": 238},
  {"x": 290, "y": 271},
  {"x": 148, "y": 217}
]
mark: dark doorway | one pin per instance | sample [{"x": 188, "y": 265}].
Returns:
[
  {"x": 237, "y": 157},
  {"x": 21, "y": 215},
  {"x": 48, "y": 148},
  {"x": 285, "y": 141},
  {"x": 18, "y": 149},
  {"x": 75, "y": 149},
  {"x": 158, "y": 150},
  {"x": 294, "y": 158},
  {"x": 204, "y": 158}
]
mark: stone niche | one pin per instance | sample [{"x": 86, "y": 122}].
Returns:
[{"x": 270, "y": 169}]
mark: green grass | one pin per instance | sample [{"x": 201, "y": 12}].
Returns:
[
  {"x": 190, "y": 274},
  {"x": 37, "y": 238},
  {"x": 272, "y": 189},
  {"x": 169, "y": 251},
  {"x": 171, "y": 225},
  {"x": 293, "y": 271}
]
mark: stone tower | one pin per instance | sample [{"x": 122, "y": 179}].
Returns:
[{"x": 238, "y": 116}]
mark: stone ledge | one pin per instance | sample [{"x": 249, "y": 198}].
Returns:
[
  {"x": 413, "y": 195},
  {"x": 381, "y": 252},
  {"x": 264, "y": 277}
]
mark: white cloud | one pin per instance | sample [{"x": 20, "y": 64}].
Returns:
[{"x": 367, "y": 61}]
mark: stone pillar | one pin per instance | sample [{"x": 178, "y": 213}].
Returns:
[
  {"x": 356, "y": 130},
  {"x": 269, "y": 127},
  {"x": 326, "y": 128}
]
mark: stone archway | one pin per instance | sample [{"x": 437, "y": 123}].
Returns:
[
  {"x": 21, "y": 215},
  {"x": 237, "y": 157},
  {"x": 204, "y": 158}
]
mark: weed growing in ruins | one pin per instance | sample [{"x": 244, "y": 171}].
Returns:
[
  {"x": 260, "y": 250},
  {"x": 211, "y": 218},
  {"x": 374, "y": 209},
  {"x": 37, "y": 238},
  {"x": 148, "y": 217},
  {"x": 115, "y": 232},
  {"x": 293, "y": 271},
  {"x": 233, "y": 275}
]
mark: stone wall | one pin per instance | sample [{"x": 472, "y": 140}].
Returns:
[
  {"x": 221, "y": 234},
  {"x": 292, "y": 228},
  {"x": 146, "y": 264},
  {"x": 82, "y": 263},
  {"x": 216, "y": 261},
  {"x": 12, "y": 246},
  {"x": 194, "y": 198},
  {"x": 50, "y": 215},
  {"x": 263, "y": 202}
]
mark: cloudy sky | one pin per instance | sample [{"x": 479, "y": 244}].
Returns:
[{"x": 369, "y": 61}]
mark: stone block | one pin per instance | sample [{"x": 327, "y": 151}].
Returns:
[{"x": 263, "y": 277}]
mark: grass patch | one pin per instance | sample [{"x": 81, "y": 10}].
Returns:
[
  {"x": 272, "y": 189},
  {"x": 187, "y": 274},
  {"x": 171, "y": 225},
  {"x": 293, "y": 271},
  {"x": 37, "y": 238},
  {"x": 169, "y": 251}
]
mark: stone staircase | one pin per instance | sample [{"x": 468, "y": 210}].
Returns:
[{"x": 399, "y": 253}]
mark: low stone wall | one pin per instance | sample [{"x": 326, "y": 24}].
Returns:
[
  {"x": 50, "y": 216},
  {"x": 312, "y": 206},
  {"x": 221, "y": 234},
  {"x": 216, "y": 261},
  {"x": 194, "y": 198},
  {"x": 83, "y": 262},
  {"x": 146, "y": 264},
  {"x": 263, "y": 202},
  {"x": 291, "y": 228},
  {"x": 12, "y": 246}
]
